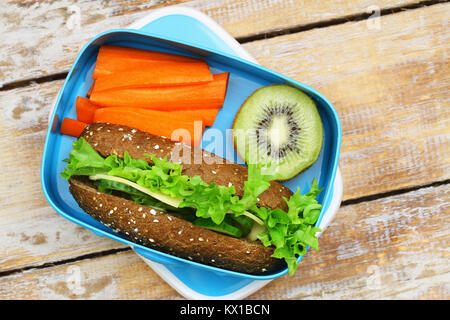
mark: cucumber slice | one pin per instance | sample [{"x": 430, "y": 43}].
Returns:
[
  {"x": 225, "y": 227},
  {"x": 108, "y": 186},
  {"x": 243, "y": 223}
]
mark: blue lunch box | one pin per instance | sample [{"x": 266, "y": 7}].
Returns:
[{"x": 197, "y": 40}]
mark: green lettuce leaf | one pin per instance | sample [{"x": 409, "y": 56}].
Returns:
[
  {"x": 256, "y": 183},
  {"x": 292, "y": 232},
  {"x": 83, "y": 160}
]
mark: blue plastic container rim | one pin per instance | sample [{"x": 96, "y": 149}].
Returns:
[{"x": 161, "y": 256}]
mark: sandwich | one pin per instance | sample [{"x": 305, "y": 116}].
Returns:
[{"x": 190, "y": 203}]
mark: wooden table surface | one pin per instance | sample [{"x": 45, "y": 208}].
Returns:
[{"x": 385, "y": 66}]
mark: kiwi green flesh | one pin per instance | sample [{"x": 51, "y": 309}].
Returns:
[{"x": 280, "y": 125}]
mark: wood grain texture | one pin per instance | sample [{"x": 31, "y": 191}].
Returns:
[
  {"x": 31, "y": 232},
  {"x": 41, "y": 38},
  {"x": 399, "y": 158},
  {"x": 391, "y": 248},
  {"x": 390, "y": 88}
]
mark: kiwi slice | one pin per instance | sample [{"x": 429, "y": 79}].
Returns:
[{"x": 279, "y": 125}]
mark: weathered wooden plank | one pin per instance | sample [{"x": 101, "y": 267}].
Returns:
[
  {"x": 118, "y": 276},
  {"x": 390, "y": 248},
  {"x": 41, "y": 38},
  {"x": 412, "y": 152},
  {"x": 390, "y": 87},
  {"x": 31, "y": 232}
]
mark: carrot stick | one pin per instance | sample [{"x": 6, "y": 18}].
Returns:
[
  {"x": 208, "y": 116},
  {"x": 163, "y": 74},
  {"x": 111, "y": 59},
  {"x": 155, "y": 122},
  {"x": 198, "y": 96},
  {"x": 85, "y": 109},
  {"x": 72, "y": 127}
]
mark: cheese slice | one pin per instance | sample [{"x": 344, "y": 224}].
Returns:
[
  {"x": 173, "y": 201},
  {"x": 255, "y": 230}
]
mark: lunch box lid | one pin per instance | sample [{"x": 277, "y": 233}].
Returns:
[{"x": 203, "y": 36}]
